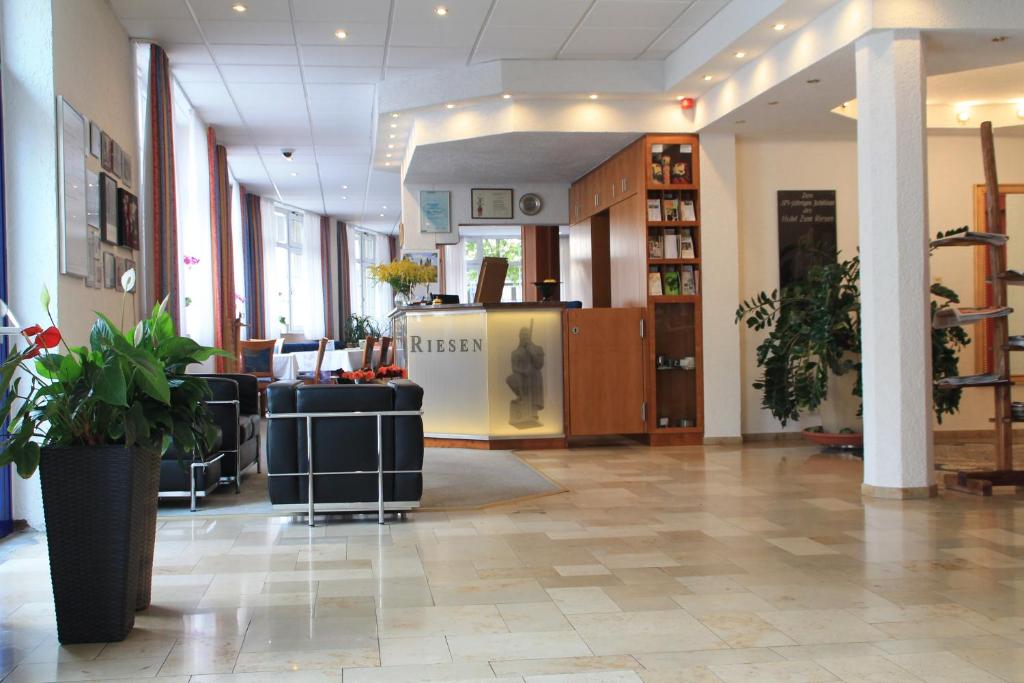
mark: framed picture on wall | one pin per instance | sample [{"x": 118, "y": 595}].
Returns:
[
  {"x": 106, "y": 152},
  {"x": 72, "y": 146},
  {"x": 119, "y": 270},
  {"x": 93, "y": 217},
  {"x": 491, "y": 203},
  {"x": 126, "y": 168},
  {"x": 435, "y": 211},
  {"x": 94, "y": 139},
  {"x": 108, "y": 209},
  {"x": 127, "y": 219},
  {"x": 118, "y": 160},
  {"x": 427, "y": 258},
  {"x": 109, "y": 270}
]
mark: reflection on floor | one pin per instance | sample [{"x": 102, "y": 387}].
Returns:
[{"x": 672, "y": 564}]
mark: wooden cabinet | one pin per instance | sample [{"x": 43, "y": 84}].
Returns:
[
  {"x": 654, "y": 262},
  {"x": 611, "y": 400}
]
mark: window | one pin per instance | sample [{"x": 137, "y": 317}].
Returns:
[
  {"x": 364, "y": 289},
  {"x": 290, "y": 307},
  {"x": 504, "y": 246}
]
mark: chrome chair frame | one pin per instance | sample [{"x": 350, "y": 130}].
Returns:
[{"x": 310, "y": 474}]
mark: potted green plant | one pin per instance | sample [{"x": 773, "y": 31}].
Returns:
[
  {"x": 95, "y": 421},
  {"x": 810, "y": 357},
  {"x": 358, "y": 328}
]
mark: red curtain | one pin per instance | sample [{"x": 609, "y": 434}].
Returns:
[
  {"x": 325, "y": 270},
  {"x": 344, "y": 271},
  {"x": 164, "y": 224},
  {"x": 220, "y": 241}
]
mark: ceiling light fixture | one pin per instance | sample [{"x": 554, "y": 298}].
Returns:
[
  {"x": 293, "y": 174},
  {"x": 387, "y": 163},
  {"x": 391, "y": 136},
  {"x": 384, "y": 207},
  {"x": 441, "y": 11},
  {"x": 394, "y": 125},
  {"x": 741, "y": 54},
  {"x": 395, "y": 115},
  {"x": 344, "y": 197},
  {"x": 382, "y": 215},
  {"x": 239, "y": 7},
  {"x": 1020, "y": 110},
  {"x": 449, "y": 106},
  {"x": 341, "y": 34},
  {"x": 592, "y": 95},
  {"x": 344, "y": 187},
  {"x": 844, "y": 105},
  {"x": 389, "y": 155},
  {"x": 779, "y": 26},
  {"x": 506, "y": 96},
  {"x": 708, "y": 77},
  {"x": 964, "y": 115},
  {"x": 391, "y": 146}
]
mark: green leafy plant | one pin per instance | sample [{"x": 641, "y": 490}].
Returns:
[
  {"x": 813, "y": 330},
  {"x": 125, "y": 388},
  {"x": 359, "y": 327}
]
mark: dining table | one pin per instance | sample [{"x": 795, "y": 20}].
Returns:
[{"x": 290, "y": 365}]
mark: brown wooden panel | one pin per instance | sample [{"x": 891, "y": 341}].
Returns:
[
  {"x": 605, "y": 371},
  {"x": 628, "y": 252},
  {"x": 540, "y": 257},
  {"x": 600, "y": 256}
]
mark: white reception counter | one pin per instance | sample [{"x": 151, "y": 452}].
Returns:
[{"x": 491, "y": 373}]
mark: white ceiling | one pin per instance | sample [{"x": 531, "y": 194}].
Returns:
[{"x": 276, "y": 76}]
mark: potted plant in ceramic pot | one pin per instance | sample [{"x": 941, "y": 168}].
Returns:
[
  {"x": 95, "y": 420},
  {"x": 810, "y": 357}
]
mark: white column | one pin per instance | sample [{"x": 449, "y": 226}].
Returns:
[
  {"x": 720, "y": 285},
  {"x": 896, "y": 345}
]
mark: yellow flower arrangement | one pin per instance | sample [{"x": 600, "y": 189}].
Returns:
[{"x": 403, "y": 274}]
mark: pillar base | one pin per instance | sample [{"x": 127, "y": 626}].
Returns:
[{"x": 897, "y": 493}]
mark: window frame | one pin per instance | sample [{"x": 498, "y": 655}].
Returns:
[
  {"x": 516, "y": 287},
  {"x": 294, "y": 248}
]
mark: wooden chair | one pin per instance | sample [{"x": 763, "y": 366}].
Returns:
[
  {"x": 234, "y": 345},
  {"x": 258, "y": 360},
  {"x": 314, "y": 377},
  {"x": 368, "y": 353},
  {"x": 385, "y": 348}
]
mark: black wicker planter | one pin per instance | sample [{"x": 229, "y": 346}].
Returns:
[
  {"x": 147, "y": 524},
  {"x": 93, "y": 502}
]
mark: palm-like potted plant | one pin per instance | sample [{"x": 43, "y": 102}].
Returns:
[
  {"x": 810, "y": 357},
  {"x": 95, "y": 421}
]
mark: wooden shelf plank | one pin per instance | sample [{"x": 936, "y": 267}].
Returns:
[
  {"x": 972, "y": 381},
  {"x": 673, "y": 224},
  {"x": 673, "y": 261},
  {"x": 971, "y": 239},
  {"x": 651, "y": 185},
  {"x": 673, "y": 298},
  {"x": 956, "y": 317}
]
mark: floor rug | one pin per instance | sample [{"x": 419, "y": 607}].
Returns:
[{"x": 453, "y": 479}]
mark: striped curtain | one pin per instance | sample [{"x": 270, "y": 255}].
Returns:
[
  {"x": 328, "y": 280},
  {"x": 164, "y": 209},
  {"x": 252, "y": 252},
  {"x": 344, "y": 272},
  {"x": 220, "y": 242}
]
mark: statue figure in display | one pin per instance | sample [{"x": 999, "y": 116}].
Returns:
[{"x": 526, "y": 381}]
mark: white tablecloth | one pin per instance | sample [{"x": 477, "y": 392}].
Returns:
[
  {"x": 285, "y": 366},
  {"x": 289, "y": 365}
]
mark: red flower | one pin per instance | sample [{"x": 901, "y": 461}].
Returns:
[
  {"x": 32, "y": 331},
  {"x": 32, "y": 352},
  {"x": 48, "y": 338}
]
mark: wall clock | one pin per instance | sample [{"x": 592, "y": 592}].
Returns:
[{"x": 530, "y": 204}]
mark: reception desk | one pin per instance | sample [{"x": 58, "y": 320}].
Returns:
[{"x": 491, "y": 373}]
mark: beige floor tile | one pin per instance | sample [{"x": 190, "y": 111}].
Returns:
[
  {"x": 773, "y": 672},
  {"x": 535, "y": 645},
  {"x": 365, "y": 652},
  {"x": 533, "y": 616},
  {"x": 725, "y": 603},
  {"x": 488, "y": 592},
  {"x": 639, "y": 632},
  {"x": 1008, "y": 664},
  {"x": 95, "y": 670},
  {"x": 871, "y": 669},
  {"x": 442, "y": 620},
  {"x": 202, "y": 656},
  {"x": 272, "y": 677},
  {"x": 942, "y": 667},
  {"x": 592, "y": 677},
  {"x": 584, "y": 600},
  {"x": 801, "y": 546},
  {"x": 420, "y": 673},
  {"x": 813, "y": 627},
  {"x": 420, "y": 650},
  {"x": 745, "y": 630},
  {"x": 582, "y": 570},
  {"x": 830, "y": 651},
  {"x": 565, "y": 665}
]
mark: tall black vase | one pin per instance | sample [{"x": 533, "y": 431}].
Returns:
[{"x": 93, "y": 500}]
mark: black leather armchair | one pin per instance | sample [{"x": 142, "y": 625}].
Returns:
[
  {"x": 345, "y": 449},
  {"x": 235, "y": 407}
]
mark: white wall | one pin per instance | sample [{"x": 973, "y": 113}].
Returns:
[
  {"x": 74, "y": 48},
  {"x": 764, "y": 167},
  {"x": 554, "y": 212}
]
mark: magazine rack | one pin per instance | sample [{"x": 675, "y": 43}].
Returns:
[{"x": 994, "y": 241}]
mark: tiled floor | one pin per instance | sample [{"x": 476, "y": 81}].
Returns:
[{"x": 685, "y": 564}]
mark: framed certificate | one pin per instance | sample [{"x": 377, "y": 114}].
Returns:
[
  {"x": 491, "y": 203},
  {"x": 435, "y": 211}
]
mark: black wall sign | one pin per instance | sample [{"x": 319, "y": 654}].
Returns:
[{"x": 807, "y": 232}]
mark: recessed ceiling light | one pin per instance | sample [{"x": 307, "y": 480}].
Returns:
[
  {"x": 239, "y": 7},
  {"x": 395, "y": 115},
  {"x": 441, "y": 11},
  {"x": 384, "y": 207},
  {"x": 344, "y": 197},
  {"x": 741, "y": 54},
  {"x": 389, "y": 155},
  {"x": 382, "y": 215},
  {"x": 844, "y": 105},
  {"x": 394, "y": 125},
  {"x": 387, "y": 163},
  {"x": 708, "y": 77},
  {"x": 592, "y": 95},
  {"x": 341, "y": 34},
  {"x": 391, "y": 136},
  {"x": 506, "y": 96},
  {"x": 964, "y": 115},
  {"x": 391, "y": 146},
  {"x": 779, "y": 26},
  {"x": 344, "y": 187},
  {"x": 1020, "y": 110},
  {"x": 293, "y": 174},
  {"x": 449, "y": 106}
]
